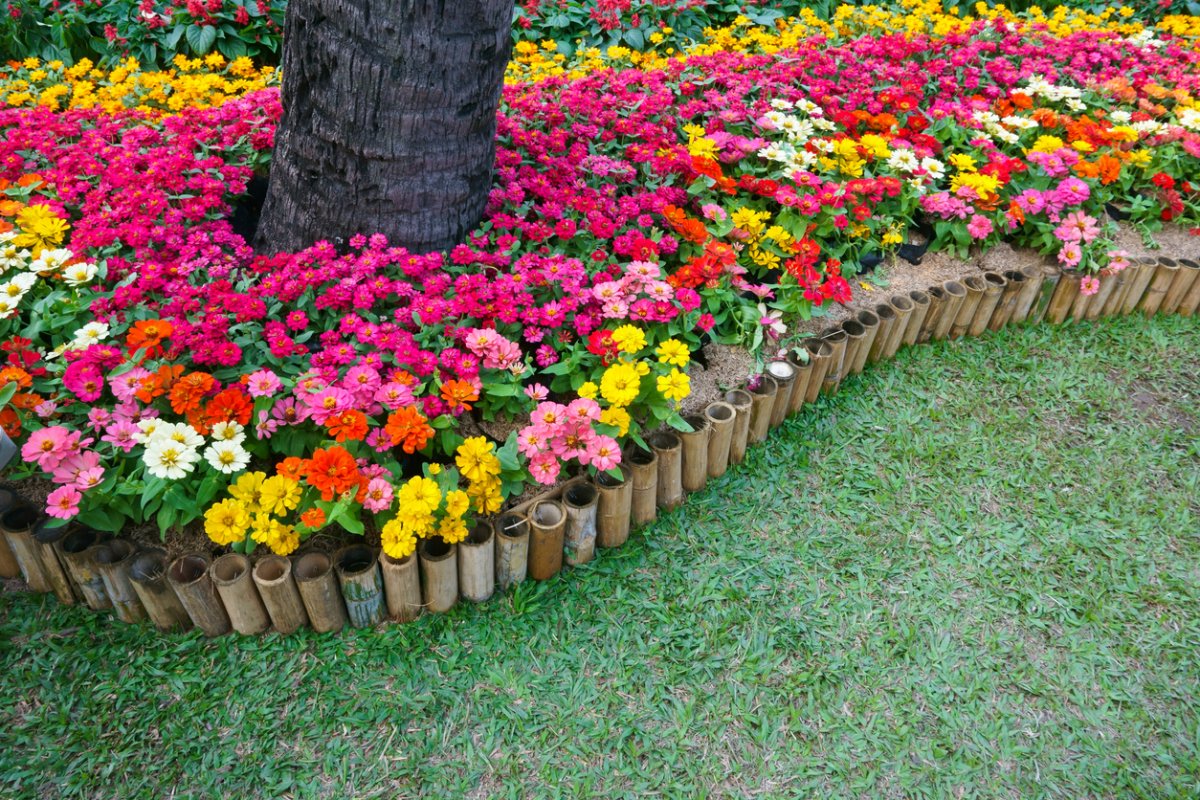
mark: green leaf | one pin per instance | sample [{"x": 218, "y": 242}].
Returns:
[{"x": 201, "y": 38}]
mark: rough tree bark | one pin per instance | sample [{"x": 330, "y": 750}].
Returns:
[{"x": 389, "y": 121}]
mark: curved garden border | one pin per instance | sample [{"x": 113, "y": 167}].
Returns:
[{"x": 356, "y": 586}]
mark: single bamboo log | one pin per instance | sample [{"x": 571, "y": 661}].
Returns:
[
  {"x": 76, "y": 549},
  {"x": 615, "y": 506},
  {"x": 1063, "y": 298},
  {"x": 870, "y": 324},
  {"x": 887, "y": 326},
  {"x": 902, "y": 307},
  {"x": 231, "y": 575},
  {"x": 357, "y": 568},
  {"x": 1008, "y": 300},
  {"x": 762, "y": 404},
  {"x": 1028, "y": 295},
  {"x": 189, "y": 577},
  {"x": 1081, "y": 303},
  {"x": 742, "y": 402},
  {"x": 477, "y": 564},
  {"x": 720, "y": 417},
  {"x": 837, "y": 339},
  {"x": 822, "y": 355},
  {"x": 1185, "y": 277},
  {"x": 10, "y": 566},
  {"x": 975, "y": 286},
  {"x": 916, "y": 320},
  {"x": 54, "y": 567},
  {"x": 952, "y": 305},
  {"x": 402, "y": 586},
  {"x": 694, "y": 468},
  {"x": 1164, "y": 275},
  {"x": 643, "y": 469},
  {"x": 277, "y": 588},
  {"x": 546, "y": 526},
  {"x": 784, "y": 375},
  {"x": 318, "y": 587},
  {"x": 512, "y": 549},
  {"x": 993, "y": 290},
  {"x": 18, "y": 522},
  {"x": 1191, "y": 301},
  {"x": 439, "y": 574},
  {"x": 1108, "y": 285},
  {"x": 1051, "y": 275},
  {"x": 1142, "y": 271},
  {"x": 114, "y": 559},
  {"x": 804, "y": 374},
  {"x": 1116, "y": 298},
  {"x": 148, "y": 574},
  {"x": 937, "y": 299},
  {"x": 855, "y": 334},
  {"x": 669, "y": 449},
  {"x": 581, "y": 502}
]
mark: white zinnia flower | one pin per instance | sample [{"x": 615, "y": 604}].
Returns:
[
  {"x": 227, "y": 457},
  {"x": 903, "y": 160},
  {"x": 90, "y": 334},
  {"x": 148, "y": 428},
  {"x": 8, "y": 306},
  {"x": 79, "y": 274},
  {"x": 934, "y": 168},
  {"x": 50, "y": 260},
  {"x": 180, "y": 433},
  {"x": 228, "y": 432},
  {"x": 170, "y": 460}
]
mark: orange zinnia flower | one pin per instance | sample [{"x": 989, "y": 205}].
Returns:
[
  {"x": 332, "y": 472},
  {"x": 188, "y": 392},
  {"x": 15, "y": 375},
  {"x": 26, "y": 402},
  {"x": 158, "y": 383},
  {"x": 148, "y": 334},
  {"x": 459, "y": 394},
  {"x": 313, "y": 518},
  {"x": 292, "y": 467},
  {"x": 350, "y": 424},
  {"x": 10, "y": 421},
  {"x": 231, "y": 404},
  {"x": 409, "y": 429}
]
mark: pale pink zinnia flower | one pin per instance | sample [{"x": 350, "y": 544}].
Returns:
[
  {"x": 63, "y": 503},
  {"x": 379, "y": 495},
  {"x": 1089, "y": 285}
]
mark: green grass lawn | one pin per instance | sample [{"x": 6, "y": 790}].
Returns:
[{"x": 973, "y": 573}]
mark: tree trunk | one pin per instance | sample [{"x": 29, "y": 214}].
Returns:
[{"x": 389, "y": 121}]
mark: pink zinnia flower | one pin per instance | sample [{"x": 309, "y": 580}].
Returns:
[
  {"x": 544, "y": 468},
  {"x": 537, "y": 392},
  {"x": 604, "y": 453},
  {"x": 980, "y": 227},
  {"x": 583, "y": 410},
  {"x": 1077, "y": 227},
  {"x": 263, "y": 383},
  {"x": 1070, "y": 255},
  {"x": 379, "y": 495},
  {"x": 63, "y": 502},
  {"x": 1089, "y": 285},
  {"x": 48, "y": 446},
  {"x": 121, "y": 435}
]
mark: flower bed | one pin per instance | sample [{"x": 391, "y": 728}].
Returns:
[{"x": 159, "y": 373}]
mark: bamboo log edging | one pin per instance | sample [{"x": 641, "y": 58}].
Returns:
[
  {"x": 952, "y": 303},
  {"x": 77, "y": 562},
  {"x": 318, "y": 589},
  {"x": 975, "y": 286},
  {"x": 277, "y": 587},
  {"x": 477, "y": 564},
  {"x": 148, "y": 574},
  {"x": 189, "y": 578},
  {"x": 114, "y": 559},
  {"x": 1191, "y": 302},
  {"x": 235, "y": 585},
  {"x": 837, "y": 340},
  {"x": 1185, "y": 277}
]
